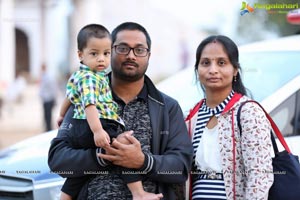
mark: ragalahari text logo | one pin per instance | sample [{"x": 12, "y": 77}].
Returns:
[{"x": 246, "y": 8}]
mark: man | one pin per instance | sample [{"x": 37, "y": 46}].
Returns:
[
  {"x": 160, "y": 150},
  {"x": 48, "y": 93}
]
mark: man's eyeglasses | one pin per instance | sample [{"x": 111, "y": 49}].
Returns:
[{"x": 137, "y": 51}]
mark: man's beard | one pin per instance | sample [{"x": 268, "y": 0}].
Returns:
[{"x": 127, "y": 75}]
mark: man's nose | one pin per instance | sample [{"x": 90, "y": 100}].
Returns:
[{"x": 131, "y": 54}]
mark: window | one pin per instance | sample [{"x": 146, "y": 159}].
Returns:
[{"x": 287, "y": 115}]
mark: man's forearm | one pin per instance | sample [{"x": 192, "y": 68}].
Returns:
[{"x": 70, "y": 162}]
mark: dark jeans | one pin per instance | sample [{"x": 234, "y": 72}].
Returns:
[
  {"x": 48, "y": 106},
  {"x": 83, "y": 137}
]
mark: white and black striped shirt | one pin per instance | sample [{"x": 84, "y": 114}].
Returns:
[{"x": 204, "y": 188}]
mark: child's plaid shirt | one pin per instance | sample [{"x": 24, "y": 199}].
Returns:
[{"x": 86, "y": 87}]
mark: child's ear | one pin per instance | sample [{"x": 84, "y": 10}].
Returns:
[{"x": 79, "y": 53}]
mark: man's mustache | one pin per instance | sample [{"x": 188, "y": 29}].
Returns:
[{"x": 130, "y": 63}]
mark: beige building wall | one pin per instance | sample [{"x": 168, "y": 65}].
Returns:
[
  {"x": 7, "y": 42},
  {"x": 50, "y": 28}
]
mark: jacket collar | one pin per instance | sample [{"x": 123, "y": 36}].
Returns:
[{"x": 236, "y": 97}]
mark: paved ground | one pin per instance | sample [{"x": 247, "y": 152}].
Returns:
[{"x": 22, "y": 119}]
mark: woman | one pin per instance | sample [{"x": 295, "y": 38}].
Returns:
[{"x": 227, "y": 164}]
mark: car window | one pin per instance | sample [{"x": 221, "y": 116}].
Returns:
[
  {"x": 265, "y": 72},
  {"x": 284, "y": 116},
  {"x": 183, "y": 87}
]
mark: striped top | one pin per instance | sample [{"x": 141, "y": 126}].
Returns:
[{"x": 204, "y": 187}]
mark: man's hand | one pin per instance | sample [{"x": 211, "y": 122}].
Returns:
[
  {"x": 125, "y": 155},
  {"x": 122, "y": 137}
]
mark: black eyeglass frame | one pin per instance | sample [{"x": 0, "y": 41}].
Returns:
[{"x": 133, "y": 50}]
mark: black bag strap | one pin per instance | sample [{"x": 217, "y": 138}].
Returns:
[{"x": 271, "y": 132}]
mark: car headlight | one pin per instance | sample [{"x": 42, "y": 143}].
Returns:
[{"x": 15, "y": 188}]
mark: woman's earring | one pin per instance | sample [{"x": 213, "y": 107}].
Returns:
[{"x": 234, "y": 78}]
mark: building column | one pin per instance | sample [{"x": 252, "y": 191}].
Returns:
[
  {"x": 84, "y": 13},
  {"x": 7, "y": 42}
]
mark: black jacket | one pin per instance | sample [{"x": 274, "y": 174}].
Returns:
[{"x": 171, "y": 147}]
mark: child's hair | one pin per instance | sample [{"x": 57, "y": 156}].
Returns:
[{"x": 89, "y": 31}]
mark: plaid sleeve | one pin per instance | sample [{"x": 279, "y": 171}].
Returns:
[{"x": 71, "y": 90}]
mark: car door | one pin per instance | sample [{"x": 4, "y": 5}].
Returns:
[{"x": 287, "y": 115}]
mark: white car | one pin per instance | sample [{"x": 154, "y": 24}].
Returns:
[
  {"x": 24, "y": 171},
  {"x": 270, "y": 70}
]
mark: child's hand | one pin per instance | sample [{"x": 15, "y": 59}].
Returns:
[
  {"x": 59, "y": 120},
  {"x": 101, "y": 139}
]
